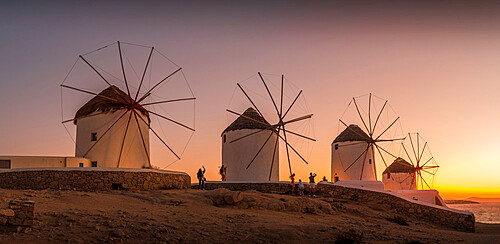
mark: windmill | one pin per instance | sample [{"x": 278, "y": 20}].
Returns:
[
  {"x": 400, "y": 175},
  {"x": 118, "y": 93},
  {"x": 425, "y": 166},
  {"x": 355, "y": 149},
  {"x": 251, "y": 143}
]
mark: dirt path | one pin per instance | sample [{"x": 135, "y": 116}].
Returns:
[{"x": 187, "y": 216}]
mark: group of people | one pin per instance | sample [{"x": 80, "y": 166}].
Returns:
[
  {"x": 312, "y": 184},
  {"x": 202, "y": 179},
  {"x": 223, "y": 171}
]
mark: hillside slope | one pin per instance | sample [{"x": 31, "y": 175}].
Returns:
[{"x": 185, "y": 216}]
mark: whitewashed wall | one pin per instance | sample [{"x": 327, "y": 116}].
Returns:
[
  {"x": 107, "y": 150},
  {"x": 346, "y": 155},
  {"x": 19, "y": 162},
  {"x": 426, "y": 196},
  {"x": 237, "y": 155}
]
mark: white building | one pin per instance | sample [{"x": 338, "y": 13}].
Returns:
[
  {"x": 236, "y": 155},
  {"x": 19, "y": 162},
  {"x": 101, "y": 145},
  {"x": 351, "y": 160},
  {"x": 400, "y": 175}
]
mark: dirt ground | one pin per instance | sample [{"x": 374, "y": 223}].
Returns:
[{"x": 189, "y": 216}]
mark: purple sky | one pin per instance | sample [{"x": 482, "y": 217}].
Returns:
[{"x": 437, "y": 63}]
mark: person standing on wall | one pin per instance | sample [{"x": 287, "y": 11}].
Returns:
[
  {"x": 292, "y": 183},
  {"x": 312, "y": 183},
  {"x": 222, "y": 172},
  {"x": 201, "y": 178},
  {"x": 301, "y": 188}
]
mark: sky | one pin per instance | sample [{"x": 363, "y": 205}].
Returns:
[{"x": 436, "y": 62}]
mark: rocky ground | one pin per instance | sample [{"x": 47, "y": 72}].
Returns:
[{"x": 219, "y": 216}]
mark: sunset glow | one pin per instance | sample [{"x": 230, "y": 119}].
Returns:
[{"x": 440, "y": 73}]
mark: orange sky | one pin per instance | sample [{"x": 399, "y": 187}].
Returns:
[{"x": 437, "y": 64}]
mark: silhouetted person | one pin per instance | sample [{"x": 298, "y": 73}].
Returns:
[
  {"x": 312, "y": 184},
  {"x": 201, "y": 178},
  {"x": 222, "y": 172},
  {"x": 292, "y": 182}
]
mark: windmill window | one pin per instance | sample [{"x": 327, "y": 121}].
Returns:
[
  {"x": 80, "y": 165},
  {"x": 370, "y": 161},
  {"x": 93, "y": 136},
  {"x": 336, "y": 146},
  {"x": 224, "y": 138},
  {"x": 4, "y": 164},
  {"x": 94, "y": 163},
  {"x": 388, "y": 175}
]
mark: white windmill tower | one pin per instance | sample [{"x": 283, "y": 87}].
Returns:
[
  {"x": 419, "y": 173},
  {"x": 237, "y": 154},
  {"x": 347, "y": 147},
  {"x": 400, "y": 175},
  {"x": 250, "y": 144},
  {"x": 356, "y": 150},
  {"x": 113, "y": 107},
  {"x": 100, "y": 131}
]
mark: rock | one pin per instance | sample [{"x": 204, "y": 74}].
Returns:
[
  {"x": 251, "y": 199},
  {"x": 312, "y": 209},
  {"x": 217, "y": 196},
  {"x": 243, "y": 205},
  {"x": 326, "y": 208},
  {"x": 276, "y": 205},
  {"x": 220, "y": 191},
  {"x": 232, "y": 198},
  {"x": 7, "y": 212},
  {"x": 293, "y": 206}
]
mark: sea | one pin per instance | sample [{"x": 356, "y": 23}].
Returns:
[{"x": 485, "y": 212}]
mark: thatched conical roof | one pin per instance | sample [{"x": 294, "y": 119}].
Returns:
[
  {"x": 243, "y": 122},
  {"x": 399, "y": 166},
  {"x": 101, "y": 103},
  {"x": 352, "y": 133}
]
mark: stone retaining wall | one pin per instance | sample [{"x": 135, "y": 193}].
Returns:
[
  {"x": 18, "y": 213},
  {"x": 274, "y": 187},
  {"x": 437, "y": 215},
  {"x": 93, "y": 180}
]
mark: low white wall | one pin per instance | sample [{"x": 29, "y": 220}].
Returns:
[
  {"x": 427, "y": 196},
  {"x": 21, "y": 162}
]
